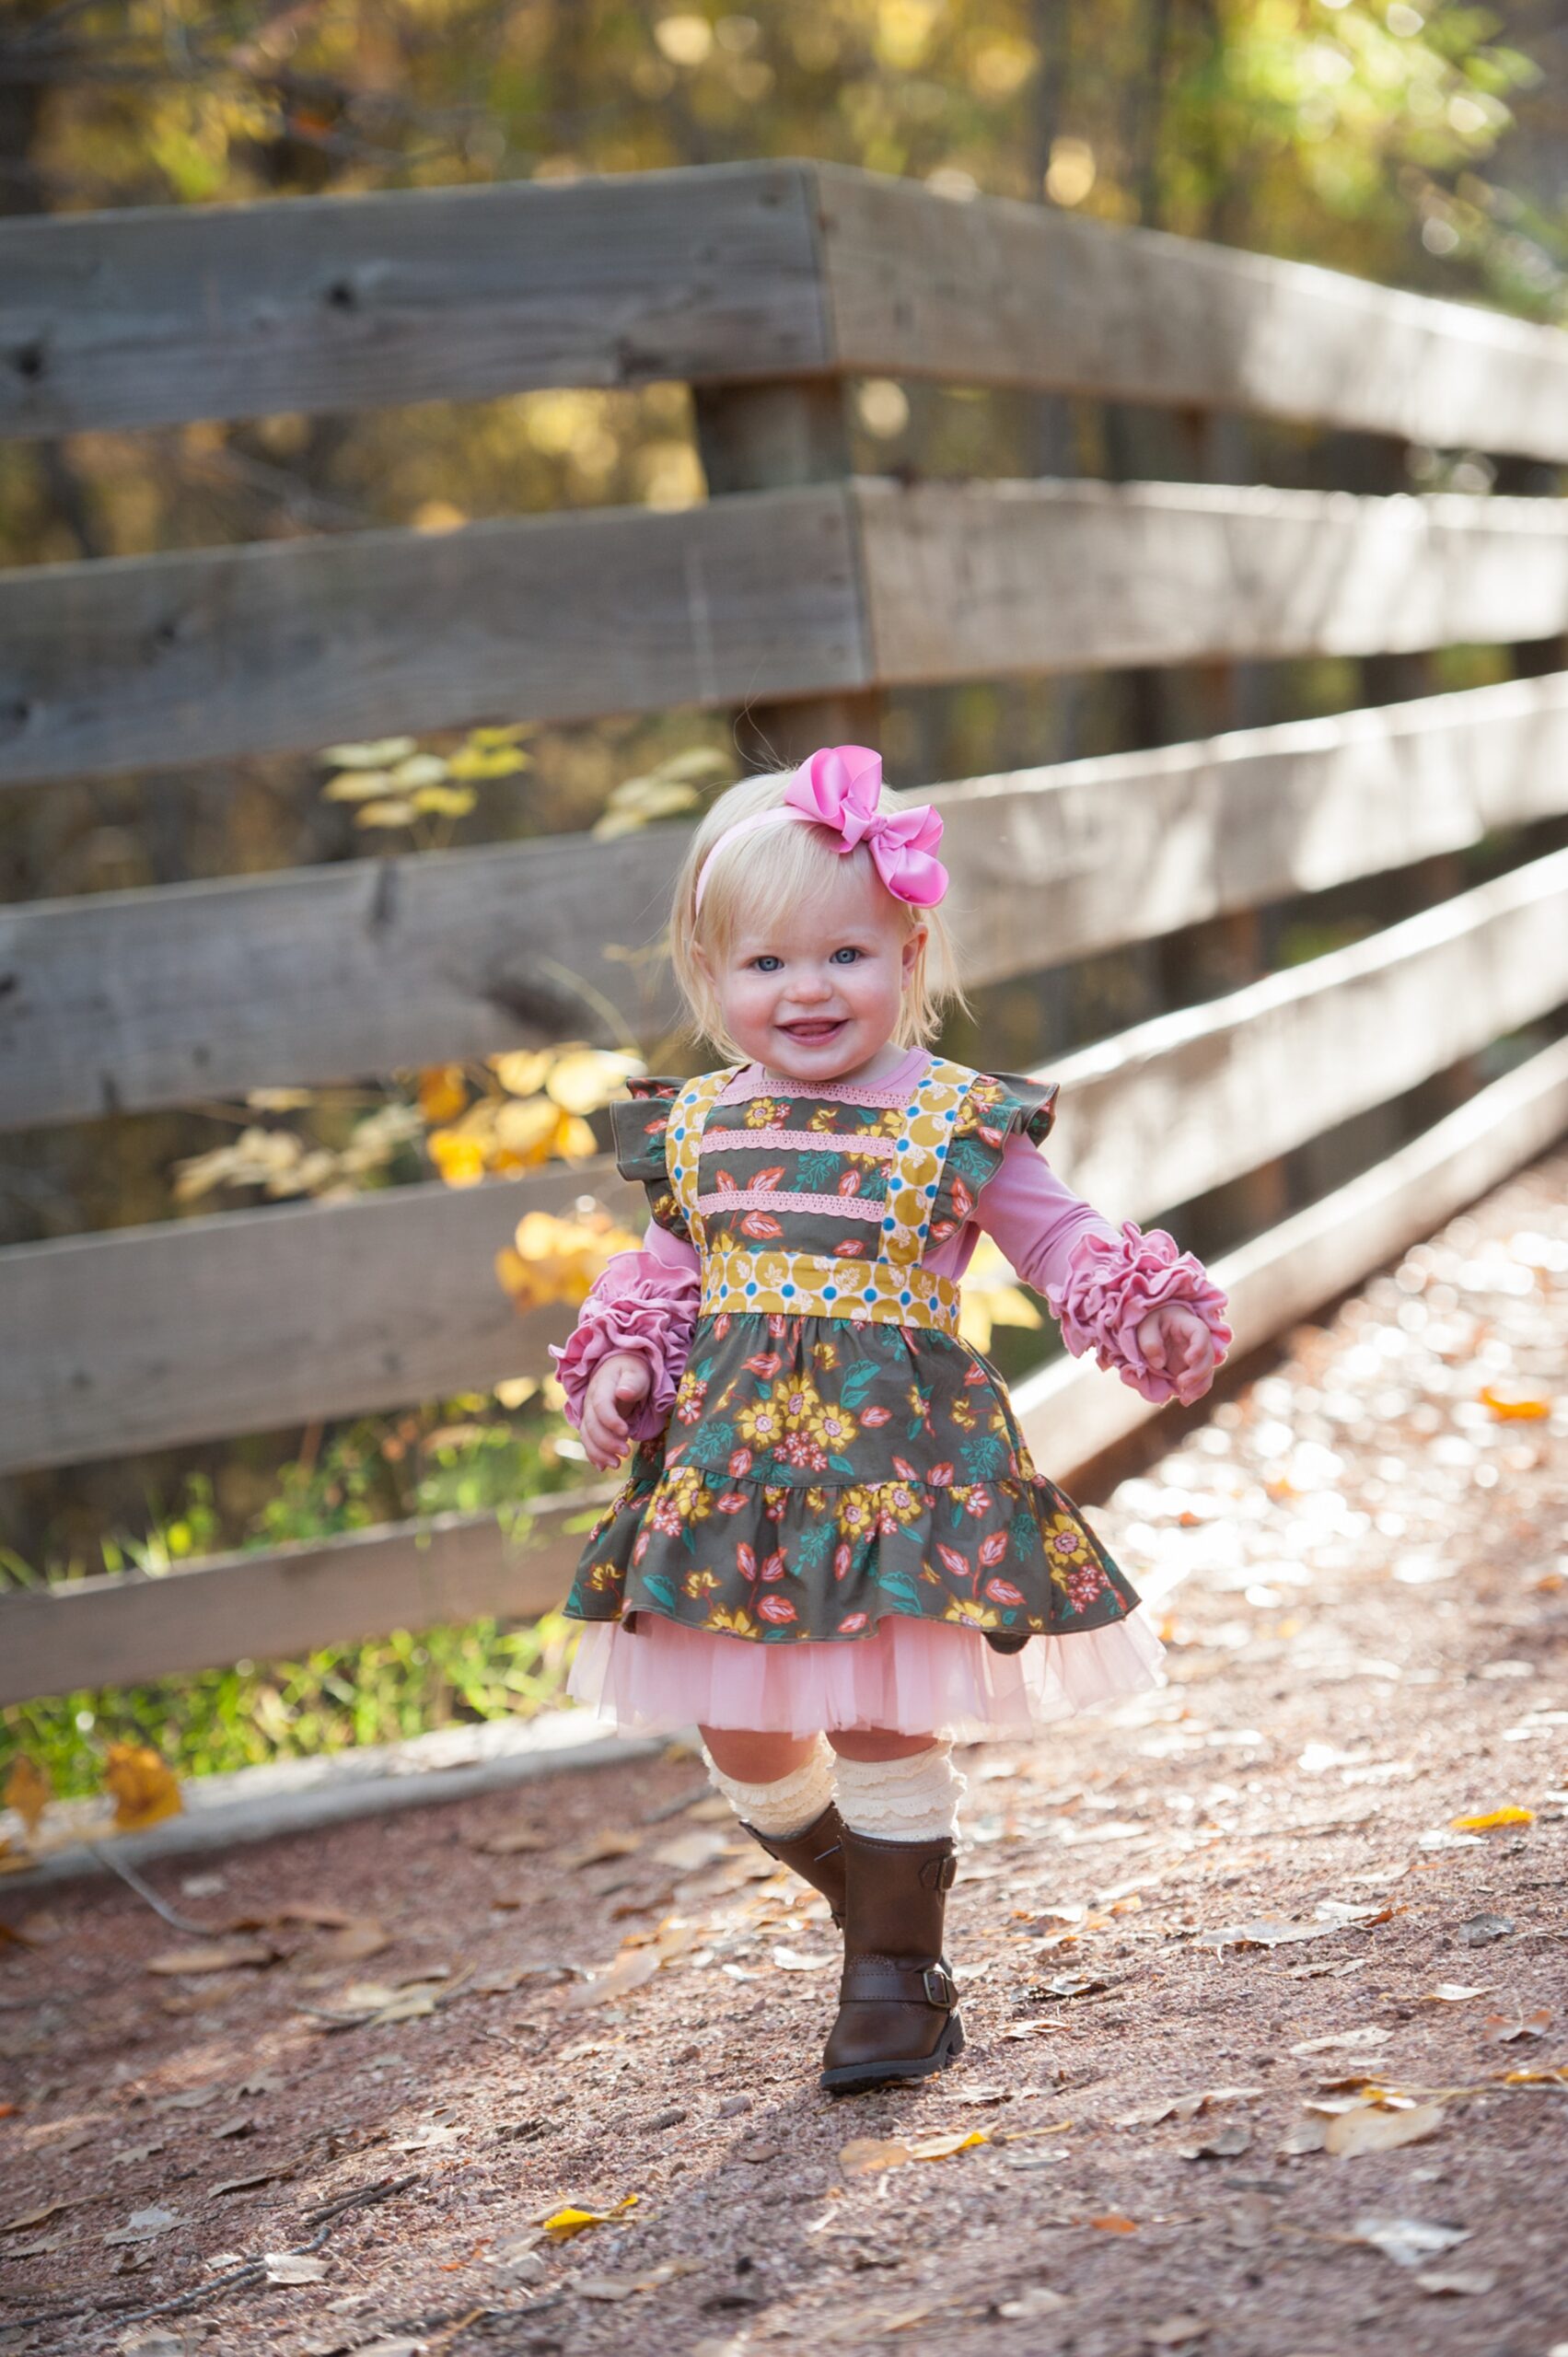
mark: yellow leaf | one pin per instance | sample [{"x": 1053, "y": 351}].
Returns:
[
  {"x": 521, "y": 1074},
  {"x": 374, "y": 756},
  {"x": 445, "y": 801},
  {"x": 356, "y": 785},
  {"x": 528, "y": 1127},
  {"x": 398, "y": 812},
  {"x": 1493, "y": 1817},
  {"x": 486, "y": 737},
  {"x": 420, "y": 768},
  {"x": 28, "y": 1791},
  {"x": 476, "y": 762},
  {"x": 562, "y": 2225},
  {"x": 443, "y": 1093},
  {"x": 459, "y": 1160},
  {"x": 640, "y": 800},
  {"x": 575, "y": 1141},
  {"x": 941, "y": 2148},
  {"x": 1515, "y": 1407},
  {"x": 589, "y": 1078},
  {"x": 144, "y": 1790}
]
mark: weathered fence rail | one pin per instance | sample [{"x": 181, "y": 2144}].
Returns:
[
  {"x": 736, "y": 273},
  {"x": 124, "y": 1001},
  {"x": 764, "y": 287},
  {"x": 767, "y": 595}
]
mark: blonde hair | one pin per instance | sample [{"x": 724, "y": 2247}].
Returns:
[{"x": 773, "y": 872}]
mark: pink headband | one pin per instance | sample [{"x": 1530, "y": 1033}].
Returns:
[{"x": 839, "y": 787}]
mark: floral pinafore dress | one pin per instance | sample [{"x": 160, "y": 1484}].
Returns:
[{"x": 836, "y": 1455}]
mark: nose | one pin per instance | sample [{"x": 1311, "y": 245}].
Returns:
[{"x": 810, "y": 985}]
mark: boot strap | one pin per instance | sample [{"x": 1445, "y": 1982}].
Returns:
[
  {"x": 872, "y": 1980},
  {"x": 781, "y": 1846}
]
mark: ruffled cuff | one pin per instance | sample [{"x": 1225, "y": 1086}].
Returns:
[
  {"x": 642, "y": 1306},
  {"x": 1111, "y": 1284}
]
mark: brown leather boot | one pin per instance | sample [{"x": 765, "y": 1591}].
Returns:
[
  {"x": 898, "y": 2007},
  {"x": 816, "y": 1855}
]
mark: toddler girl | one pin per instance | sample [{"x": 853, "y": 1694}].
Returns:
[{"x": 832, "y": 1528}]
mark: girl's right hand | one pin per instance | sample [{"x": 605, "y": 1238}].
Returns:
[{"x": 615, "y": 1388}]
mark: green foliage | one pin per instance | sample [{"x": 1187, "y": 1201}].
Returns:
[
  {"x": 462, "y": 1457},
  {"x": 379, "y": 1691}
]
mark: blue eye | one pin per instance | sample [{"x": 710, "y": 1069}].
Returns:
[
  {"x": 767, "y": 964},
  {"x": 846, "y": 957}
]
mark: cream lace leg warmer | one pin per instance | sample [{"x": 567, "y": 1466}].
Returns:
[
  {"x": 902, "y": 1800},
  {"x": 786, "y": 1807}
]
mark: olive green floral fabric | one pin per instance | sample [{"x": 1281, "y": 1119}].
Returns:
[{"x": 818, "y": 1474}]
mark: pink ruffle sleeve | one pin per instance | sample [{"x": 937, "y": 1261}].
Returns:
[
  {"x": 1112, "y": 1283},
  {"x": 646, "y": 1303}
]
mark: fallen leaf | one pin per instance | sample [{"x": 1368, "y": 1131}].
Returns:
[
  {"x": 1472, "y": 2280},
  {"x": 144, "y": 1790},
  {"x": 1223, "y": 2145},
  {"x": 562, "y": 2223},
  {"x": 515, "y": 1843},
  {"x": 142, "y": 2226},
  {"x": 688, "y": 1852},
  {"x": 187, "y": 2099},
  {"x": 295, "y": 2266},
  {"x": 601, "y": 1847},
  {"x": 941, "y": 2148},
  {"x": 36, "y": 2217},
  {"x": 1368, "y": 2035},
  {"x": 1506, "y": 2028},
  {"x": 1175, "y": 2332},
  {"x": 1039, "y": 2300},
  {"x": 1271, "y": 1931},
  {"x": 1511, "y": 1406},
  {"x": 1510, "y": 1815},
  {"x": 274, "y": 2176},
  {"x": 423, "y": 2140},
  {"x": 242, "y": 2124},
  {"x": 796, "y": 1960},
  {"x": 862, "y": 2156},
  {"x": 1114, "y": 2222},
  {"x": 355, "y": 1942},
  {"x": 1371, "y": 2130},
  {"x": 220, "y": 1956},
  {"x": 1480, "y": 1931},
  {"x": 626, "y": 1971},
  {"x": 1407, "y": 2241},
  {"x": 1452, "y": 1992}
]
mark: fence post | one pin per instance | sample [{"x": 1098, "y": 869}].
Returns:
[{"x": 780, "y": 436}]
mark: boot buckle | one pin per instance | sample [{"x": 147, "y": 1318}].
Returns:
[{"x": 939, "y": 1989}]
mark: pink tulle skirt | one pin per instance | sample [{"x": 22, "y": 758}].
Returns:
[{"x": 915, "y": 1676}]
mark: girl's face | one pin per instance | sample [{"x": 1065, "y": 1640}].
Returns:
[{"x": 815, "y": 995}]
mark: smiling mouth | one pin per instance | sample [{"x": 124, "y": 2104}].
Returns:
[{"x": 809, "y": 1034}]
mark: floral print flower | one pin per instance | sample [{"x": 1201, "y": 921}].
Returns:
[
  {"x": 832, "y": 1428},
  {"x": 765, "y": 1114},
  {"x": 974, "y": 1615},
  {"x": 762, "y": 1422},
  {"x": 690, "y": 1392}
]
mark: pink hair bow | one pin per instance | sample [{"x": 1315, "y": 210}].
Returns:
[{"x": 841, "y": 787}]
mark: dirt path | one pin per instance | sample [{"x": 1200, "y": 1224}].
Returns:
[{"x": 1371, "y": 1640}]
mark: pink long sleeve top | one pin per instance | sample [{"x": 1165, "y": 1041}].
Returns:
[{"x": 1099, "y": 1282}]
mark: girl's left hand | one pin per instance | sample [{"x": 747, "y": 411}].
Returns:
[{"x": 1177, "y": 1344}]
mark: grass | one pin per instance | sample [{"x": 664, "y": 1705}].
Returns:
[{"x": 464, "y": 1456}]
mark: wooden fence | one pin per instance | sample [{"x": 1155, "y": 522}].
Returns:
[{"x": 766, "y": 287}]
